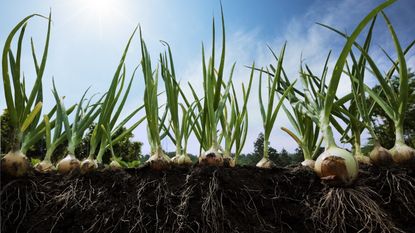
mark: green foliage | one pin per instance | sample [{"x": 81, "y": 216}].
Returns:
[
  {"x": 35, "y": 161},
  {"x": 24, "y": 108}
]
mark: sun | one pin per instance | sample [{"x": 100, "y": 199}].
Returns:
[
  {"x": 101, "y": 8},
  {"x": 104, "y": 14}
]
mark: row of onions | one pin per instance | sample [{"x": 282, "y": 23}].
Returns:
[{"x": 219, "y": 118}]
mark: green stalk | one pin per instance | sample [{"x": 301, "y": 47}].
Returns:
[
  {"x": 172, "y": 92},
  {"x": 158, "y": 159},
  {"x": 234, "y": 127},
  {"x": 270, "y": 114}
]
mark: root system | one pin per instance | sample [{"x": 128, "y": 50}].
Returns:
[{"x": 208, "y": 199}]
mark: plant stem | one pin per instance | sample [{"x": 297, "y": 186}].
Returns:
[
  {"x": 307, "y": 153},
  {"x": 101, "y": 151},
  {"x": 178, "y": 148},
  {"x": 266, "y": 142},
  {"x": 49, "y": 153},
  {"x": 357, "y": 150},
  {"x": 71, "y": 148},
  {"x": 327, "y": 133},
  {"x": 16, "y": 140},
  {"x": 399, "y": 134}
]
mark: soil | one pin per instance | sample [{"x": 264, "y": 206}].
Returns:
[{"x": 208, "y": 199}]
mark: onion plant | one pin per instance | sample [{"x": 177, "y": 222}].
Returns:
[
  {"x": 24, "y": 110},
  {"x": 110, "y": 111},
  {"x": 305, "y": 103},
  {"x": 115, "y": 162},
  {"x": 158, "y": 159},
  {"x": 306, "y": 134},
  {"x": 379, "y": 155},
  {"x": 358, "y": 106},
  {"x": 394, "y": 104},
  {"x": 235, "y": 123},
  {"x": 269, "y": 115},
  {"x": 51, "y": 143},
  {"x": 337, "y": 164},
  {"x": 213, "y": 103},
  {"x": 181, "y": 129},
  {"x": 84, "y": 116}
]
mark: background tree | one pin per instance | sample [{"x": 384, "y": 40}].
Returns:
[{"x": 5, "y": 131}]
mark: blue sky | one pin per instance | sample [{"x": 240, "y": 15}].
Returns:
[{"x": 88, "y": 37}]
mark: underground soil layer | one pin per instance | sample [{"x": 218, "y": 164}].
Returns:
[{"x": 208, "y": 199}]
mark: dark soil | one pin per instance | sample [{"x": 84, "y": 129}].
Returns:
[{"x": 208, "y": 199}]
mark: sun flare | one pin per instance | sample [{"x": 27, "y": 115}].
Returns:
[
  {"x": 101, "y": 8},
  {"x": 103, "y": 13}
]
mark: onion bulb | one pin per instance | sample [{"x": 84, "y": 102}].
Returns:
[
  {"x": 159, "y": 161},
  {"x": 403, "y": 155},
  {"x": 182, "y": 160},
  {"x": 15, "y": 163},
  {"x": 88, "y": 165},
  {"x": 265, "y": 163},
  {"x": 228, "y": 161},
  {"x": 44, "y": 166},
  {"x": 114, "y": 165},
  {"x": 308, "y": 163},
  {"x": 380, "y": 156},
  {"x": 211, "y": 157},
  {"x": 68, "y": 164},
  {"x": 363, "y": 159},
  {"x": 337, "y": 166}
]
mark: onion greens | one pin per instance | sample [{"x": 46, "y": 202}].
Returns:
[
  {"x": 110, "y": 111},
  {"x": 235, "y": 126},
  {"x": 269, "y": 115},
  {"x": 183, "y": 129},
  {"x": 306, "y": 134},
  {"x": 51, "y": 143},
  {"x": 394, "y": 105},
  {"x": 213, "y": 103},
  {"x": 24, "y": 110},
  {"x": 158, "y": 159},
  {"x": 84, "y": 116},
  {"x": 336, "y": 164},
  {"x": 396, "y": 102}
]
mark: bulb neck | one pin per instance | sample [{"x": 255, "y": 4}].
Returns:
[
  {"x": 400, "y": 139},
  {"x": 16, "y": 140},
  {"x": 328, "y": 134},
  {"x": 306, "y": 153},
  {"x": 266, "y": 143}
]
